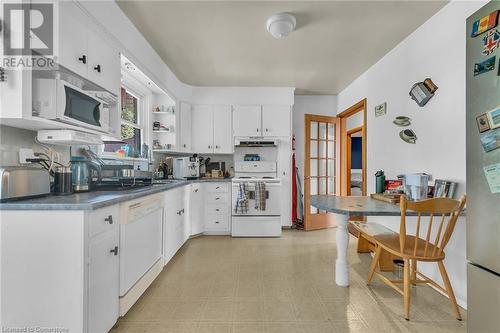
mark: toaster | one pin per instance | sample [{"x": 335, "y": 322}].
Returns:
[{"x": 23, "y": 182}]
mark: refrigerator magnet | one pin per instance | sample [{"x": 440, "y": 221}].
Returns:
[
  {"x": 490, "y": 140},
  {"x": 491, "y": 41},
  {"x": 484, "y": 24},
  {"x": 483, "y": 124},
  {"x": 484, "y": 66},
  {"x": 494, "y": 117},
  {"x": 492, "y": 173}
]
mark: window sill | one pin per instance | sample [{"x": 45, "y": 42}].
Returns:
[{"x": 116, "y": 158}]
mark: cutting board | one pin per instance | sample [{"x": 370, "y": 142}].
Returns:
[{"x": 391, "y": 198}]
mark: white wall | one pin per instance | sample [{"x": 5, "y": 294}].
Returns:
[
  {"x": 321, "y": 105},
  {"x": 435, "y": 50},
  {"x": 243, "y": 95}
]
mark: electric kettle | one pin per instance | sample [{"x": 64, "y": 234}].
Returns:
[{"x": 81, "y": 171}]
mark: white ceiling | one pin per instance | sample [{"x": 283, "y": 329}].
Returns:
[{"x": 225, "y": 43}]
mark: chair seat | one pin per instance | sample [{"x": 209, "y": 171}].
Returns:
[{"x": 390, "y": 242}]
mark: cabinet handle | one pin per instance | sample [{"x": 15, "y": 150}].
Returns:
[
  {"x": 109, "y": 219},
  {"x": 184, "y": 146},
  {"x": 257, "y": 129},
  {"x": 83, "y": 59},
  {"x": 217, "y": 222},
  {"x": 196, "y": 190},
  {"x": 114, "y": 250},
  {"x": 267, "y": 130},
  {"x": 97, "y": 68},
  {"x": 217, "y": 209},
  {"x": 218, "y": 187},
  {"x": 217, "y": 147},
  {"x": 217, "y": 198},
  {"x": 209, "y": 146}
]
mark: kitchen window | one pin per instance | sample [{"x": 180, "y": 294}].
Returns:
[{"x": 131, "y": 125}]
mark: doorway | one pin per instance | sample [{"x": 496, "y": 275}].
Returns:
[
  {"x": 321, "y": 167},
  {"x": 353, "y": 153},
  {"x": 355, "y": 161}
]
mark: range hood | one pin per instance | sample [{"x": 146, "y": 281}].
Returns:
[{"x": 255, "y": 142}]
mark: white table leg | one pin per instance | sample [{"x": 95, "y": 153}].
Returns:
[{"x": 341, "y": 265}]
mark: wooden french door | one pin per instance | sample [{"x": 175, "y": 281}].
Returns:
[{"x": 321, "y": 167}]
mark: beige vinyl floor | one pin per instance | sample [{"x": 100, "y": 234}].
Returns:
[{"x": 223, "y": 284}]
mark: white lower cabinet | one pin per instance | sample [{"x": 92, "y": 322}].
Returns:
[
  {"x": 103, "y": 306},
  {"x": 196, "y": 209},
  {"x": 70, "y": 277},
  {"x": 176, "y": 220},
  {"x": 217, "y": 207}
]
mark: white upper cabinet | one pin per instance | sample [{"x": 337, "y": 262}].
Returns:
[
  {"x": 266, "y": 120},
  {"x": 223, "y": 133},
  {"x": 247, "y": 120},
  {"x": 276, "y": 120},
  {"x": 73, "y": 38},
  {"x": 185, "y": 127},
  {"x": 211, "y": 129},
  {"x": 202, "y": 129},
  {"x": 84, "y": 49},
  {"x": 103, "y": 63}
]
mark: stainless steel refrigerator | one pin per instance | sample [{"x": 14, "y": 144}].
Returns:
[{"x": 483, "y": 169}]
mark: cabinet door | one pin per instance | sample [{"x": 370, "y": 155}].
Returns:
[
  {"x": 103, "y": 62},
  {"x": 247, "y": 120},
  {"x": 73, "y": 38},
  {"x": 196, "y": 209},
  {"x": 202, "y": 131},
  {"x": 185, "y": 119},
  {"x": 103, "y": 304},
  {"x": 276, "y": 120},
  {"x": 223, "y": 133}
]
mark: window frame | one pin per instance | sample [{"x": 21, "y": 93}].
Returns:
[{"x": 144, "y": 96}]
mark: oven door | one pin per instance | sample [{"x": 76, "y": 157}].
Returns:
[
  {"x": 272, "y": 203},
  {"x": 75, "y": 106}
]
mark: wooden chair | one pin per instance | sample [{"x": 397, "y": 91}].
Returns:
[{"x": 413, "y": 249}]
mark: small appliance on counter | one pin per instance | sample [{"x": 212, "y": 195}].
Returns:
[
  {"x": 415, "y": 186},
  {"x": 81, "y": 173},
  {"x": 62, "y": 181},
  {"x": 23, "y": 182},
  {"x": 186, "y": 167}
]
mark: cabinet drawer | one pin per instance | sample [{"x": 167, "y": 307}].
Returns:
[
  {"x": 217, "y": 221},
  {"x": 217, "y": 187},
  {"x": 216, "y": 198},
  {"x": 217, "y": 209},
  {"x": 103, "y": 219}
]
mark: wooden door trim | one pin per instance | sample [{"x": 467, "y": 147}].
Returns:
[
  {"x": 307, "y": 165},
  {"x": 358, "y": 107}
]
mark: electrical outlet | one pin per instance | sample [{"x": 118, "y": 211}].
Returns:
[{"x": 24, "y": 154}]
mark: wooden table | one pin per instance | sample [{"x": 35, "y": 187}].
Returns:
[{"x": 343, "y": 208}]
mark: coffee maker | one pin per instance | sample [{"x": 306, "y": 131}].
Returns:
[{"x": 186, "y": 167}]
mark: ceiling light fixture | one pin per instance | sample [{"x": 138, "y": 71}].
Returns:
[{"x": 281, "y": 25}]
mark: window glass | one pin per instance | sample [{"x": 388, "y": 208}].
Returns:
[
  {"x": 129, "y": 106},
  {"x": 131, "y": 129}
]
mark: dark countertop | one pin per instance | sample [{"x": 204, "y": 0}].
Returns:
[
  {"x": 357, "y": 206},
  {"x": 96, "y": 199}
]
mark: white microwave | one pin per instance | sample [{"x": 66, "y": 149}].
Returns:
[{"x": 59, "y": 100}]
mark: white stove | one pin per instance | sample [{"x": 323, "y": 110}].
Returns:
[{"x": 254, "y": 217}]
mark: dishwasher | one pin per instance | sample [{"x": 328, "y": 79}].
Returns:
[{"x": 141, "y": 233}]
